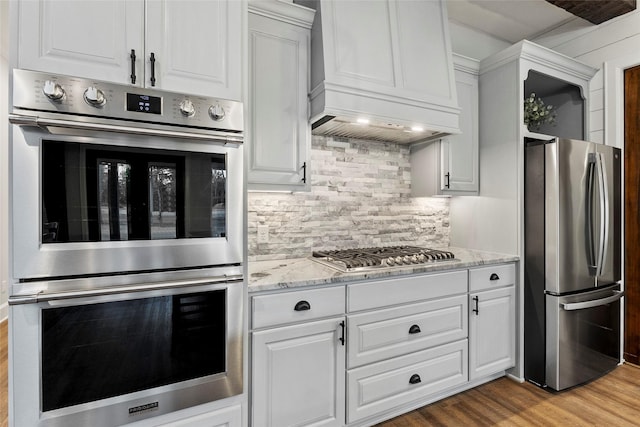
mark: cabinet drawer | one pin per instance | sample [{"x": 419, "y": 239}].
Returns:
[
  {"x": 383, "y": 386},
  {"x": 392, "y": 332},
  {"x": 495, "y": 276},
  {"x": 366, "y": 296},
  {"x": 297, "y": 306}
]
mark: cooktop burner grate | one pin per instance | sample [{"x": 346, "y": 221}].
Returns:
[{"x": 348, "y": 260}]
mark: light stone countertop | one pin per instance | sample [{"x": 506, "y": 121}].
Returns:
[{"x": 301, "y": 272}]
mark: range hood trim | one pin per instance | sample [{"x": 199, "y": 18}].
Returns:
[{"x": 336, "y": 97}]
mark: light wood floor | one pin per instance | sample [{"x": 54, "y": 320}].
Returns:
[{"x": 611, "y": 401}]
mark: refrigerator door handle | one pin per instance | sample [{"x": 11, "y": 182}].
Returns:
[
  {"x": 593, "y": 303},
  {"x": 591, "y": 246},
  {"x": 603, "y": 184}
]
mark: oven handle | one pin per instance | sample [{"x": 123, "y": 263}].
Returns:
[
  {"x": 42, "y": 122},
  {"x": 45, "y": 297}
]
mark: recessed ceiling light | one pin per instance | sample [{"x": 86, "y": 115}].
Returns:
[
  {"x": 417, "y": 128},
  {"x": 363, "y": 121}
]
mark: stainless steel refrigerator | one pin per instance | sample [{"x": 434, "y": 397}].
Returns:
[{"x": 572, "y": 262}]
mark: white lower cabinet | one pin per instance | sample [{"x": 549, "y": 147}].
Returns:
[
  {"x": 409, "y": 341},
  {"x": 298, "y": 375},
  {"x": 492, "y": 320},
  {"x": 492, "y": 334}
]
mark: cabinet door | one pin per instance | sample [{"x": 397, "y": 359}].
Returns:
[
  {"x": 91, "y": 39},
  {"x": 459, "y": 153},
  {"x": 197, "y": 46},
  {"x": 492, "y": 333},
  {"x": 278, "y": 87},
  {"x": 298, "y": 375}
]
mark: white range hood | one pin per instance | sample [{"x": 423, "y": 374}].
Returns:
[{"x": 382, "y": 70}]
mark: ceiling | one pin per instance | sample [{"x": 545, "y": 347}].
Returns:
[{"x": 510, "y": 20}]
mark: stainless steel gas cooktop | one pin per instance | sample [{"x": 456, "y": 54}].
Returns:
[{"x": 363, "y": 259}]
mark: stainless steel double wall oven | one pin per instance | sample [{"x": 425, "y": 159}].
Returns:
[{"x": 126, "y": 251}]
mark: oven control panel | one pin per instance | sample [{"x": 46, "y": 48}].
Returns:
[{"x": 78, "y": 96}]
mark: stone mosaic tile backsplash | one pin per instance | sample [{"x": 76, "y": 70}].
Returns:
[{"x": 360, "y": 196}]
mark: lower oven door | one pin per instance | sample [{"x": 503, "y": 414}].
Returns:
[
  {"x": 583, "y": 336},
  {"x": 114, "y": 359}
]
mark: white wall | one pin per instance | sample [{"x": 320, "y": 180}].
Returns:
[
  {"x": 4, "y": 135},
  {"x": 468, "y": 42},
  {"x": 612, "y": 47}
]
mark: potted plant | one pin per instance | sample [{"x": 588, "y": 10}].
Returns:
[{"x": 536, "y": 113}]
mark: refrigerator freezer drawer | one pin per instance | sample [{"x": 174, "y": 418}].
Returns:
[{"x": 583, "y": 336}]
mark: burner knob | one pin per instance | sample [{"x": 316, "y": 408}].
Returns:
[
  {"x": 187, "y": 108},
  {"x": 399, "y": 260},
  {"x": 391, "y": 261},
  {"x": 95, "y": 97},
  {"x": 421, "y": 258},
  {"x": 216, "y": 112},
  {"x": 53, "y": 91},
  {"x": 414, "y": 259}
]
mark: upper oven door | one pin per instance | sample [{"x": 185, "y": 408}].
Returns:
[{"x": 93, "y": 202}]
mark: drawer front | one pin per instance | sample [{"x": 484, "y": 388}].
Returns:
[
  {"x": 495, "y": 276},
  {"x": 382, "y": 386},
  {"x": 296, "y": 306},
  {"x": 371, "y": 295},
  {"x": 392, "y": 332}
]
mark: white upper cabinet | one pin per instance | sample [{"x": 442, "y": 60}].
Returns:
[
  {"x": 90, "y": 39},
  {"x": 278, "y": 130},
  {"x": 449, "y": 166},
  {"x": 196, "y": 45}
]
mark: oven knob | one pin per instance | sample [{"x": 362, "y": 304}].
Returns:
[
  {"x": 53, "y": 91},
  {"x": 95, "y": 97},
  {"x": 187, "y": 108},
  {"x": 399, "y": 260},
  {"x": 391, "y": 261},
  {"x": 216, "y": 112}
]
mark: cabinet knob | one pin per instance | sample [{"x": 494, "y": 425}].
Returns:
[
  {"x": 494, "y": 276},
  {"x": 414, "y": 329},
  {"x": 302, "y": 306},
  {"x": 415, "y": 379}
]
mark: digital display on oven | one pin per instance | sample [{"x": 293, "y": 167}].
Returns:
[{"x": 144, "y": 103}]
